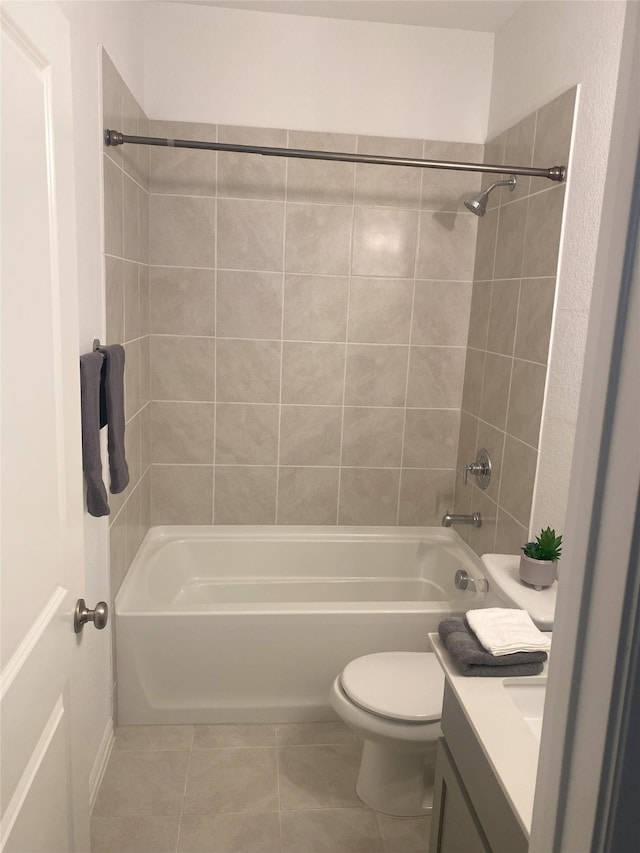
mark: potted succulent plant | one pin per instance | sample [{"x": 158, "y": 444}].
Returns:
[{"x": 539, "y": 561}]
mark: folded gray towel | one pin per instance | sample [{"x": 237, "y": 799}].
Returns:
[
  {"x": 472, "y": 659},
  {"x": 112, "y": 413},
  {"x": 90, "y": 369}
]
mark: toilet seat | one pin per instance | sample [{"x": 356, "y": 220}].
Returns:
[{"x": 405, "y": 686}]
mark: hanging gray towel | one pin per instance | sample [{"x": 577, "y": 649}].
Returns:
[
  {"x": 90, "y": 387},
  {"x": 112, "y": 414}
]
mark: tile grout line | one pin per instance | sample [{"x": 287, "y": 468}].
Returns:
[
  {"x": 215, "y": 343},
  {"x": 337, "y": 342},
  {"x": 277, "y": 750},
  {"x": 334, "y": 343},
  {"x": 301, "y": 272},
  {"x": 325, "y": 467},
  {"x": 171, "y": 401},
  {"x": 184, "y": 794},
  {"x": 506, "y": 416},
  {"x": 486, "y": 337},
  {"x": 346, "y": 344},
  {"x": 348, "y": 204},
  {"x": 276, "y": 511},
  {"x": 416, "y": 258}
]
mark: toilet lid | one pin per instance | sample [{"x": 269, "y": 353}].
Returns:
[{"x": 400, "y": 685}]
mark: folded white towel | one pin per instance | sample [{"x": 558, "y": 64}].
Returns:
[{"x": 503, "y": 631}]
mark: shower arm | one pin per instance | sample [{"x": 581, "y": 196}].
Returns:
[
  {"x": 554, "y": 173},
  {"x": 507, "y": 183}
]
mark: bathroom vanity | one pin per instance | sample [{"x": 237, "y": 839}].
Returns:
[{"x": 487, "y": 762}]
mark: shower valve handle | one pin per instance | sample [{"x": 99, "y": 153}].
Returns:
[
  {"x": 481, "y": 469},
  {"x": 473, "y": 468},
  {"x": 463, "y": 580}
]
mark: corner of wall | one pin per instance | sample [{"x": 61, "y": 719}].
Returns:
[
  {"x": 510, "y": 330},
  {"x": 126, "y": 247}
]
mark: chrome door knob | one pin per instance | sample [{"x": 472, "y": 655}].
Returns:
[{"x": 82, "y": 615}]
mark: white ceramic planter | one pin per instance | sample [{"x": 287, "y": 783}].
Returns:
[{"x": 538, "y": 573}]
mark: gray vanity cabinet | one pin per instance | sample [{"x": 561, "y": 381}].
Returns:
[
  {"x": 470, "y": 812},
  {"x": 455, "y": 825}
]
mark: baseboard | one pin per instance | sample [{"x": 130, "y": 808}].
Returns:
[{"x": 100, "y": 763}]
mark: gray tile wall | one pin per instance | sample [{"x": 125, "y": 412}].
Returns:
[
  {"x": 126, "y": 224},
  {"x": 308, "y": 328},
  {"x": 509, "y": 333}
]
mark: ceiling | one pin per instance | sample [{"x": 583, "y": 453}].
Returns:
[{"x": 476, "y": 15}]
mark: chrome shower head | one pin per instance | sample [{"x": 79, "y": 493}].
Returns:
[{"x": 478, "y": 203}]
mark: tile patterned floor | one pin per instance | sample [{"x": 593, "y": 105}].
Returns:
[{"x": 242, "y": 789}]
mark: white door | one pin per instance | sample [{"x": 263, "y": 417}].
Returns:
[{"x": 44, "y": 790}]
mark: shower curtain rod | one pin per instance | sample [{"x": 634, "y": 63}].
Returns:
[{"x": 554, "y": 173}]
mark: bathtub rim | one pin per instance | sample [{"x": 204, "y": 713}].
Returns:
[{"x": 161, "y": 535}]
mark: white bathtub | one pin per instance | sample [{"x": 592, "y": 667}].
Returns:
[{"x": 252, "y": 624}]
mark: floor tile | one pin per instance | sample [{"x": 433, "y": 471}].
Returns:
[
  {"x": 214, "y": 737},
  {"x": 134, "y": 834},
  {"x": 143, "y": 783},
  {"x": 153, "y": 737},
  {"x": 330, "y": 831},
  {"x": 217, "y": 789},
  {"x": 316, "y": 777},
  {"x": 231, "y": 780},
  {"x": 230, "y": 833},
  {"x": 404, "y": 834},
  {"x": 297, "y": 734}
]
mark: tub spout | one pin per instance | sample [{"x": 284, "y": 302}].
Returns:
[{"x": 451, "y": 518}]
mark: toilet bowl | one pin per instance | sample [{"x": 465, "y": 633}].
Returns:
[{"x": 393, "y": 700}]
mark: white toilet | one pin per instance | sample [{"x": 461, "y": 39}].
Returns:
[{"x": 394, "y": 701}]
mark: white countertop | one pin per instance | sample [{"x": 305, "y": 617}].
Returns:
[{"x": 507, "y": 741}]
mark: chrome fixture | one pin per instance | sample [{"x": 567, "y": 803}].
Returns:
[
  {"x": 478, "y": 203},
  {"x": 480, "y": 469},
  {"x": 82, "y": 615},
  {"x": 451, "y": 518},
  {"x": 553, "y": 173},
  {"x": 463, "y": 580}
]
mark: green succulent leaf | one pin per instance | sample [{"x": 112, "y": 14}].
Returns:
[{"x": 547, "y": 546}]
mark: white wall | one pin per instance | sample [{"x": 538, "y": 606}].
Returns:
[
  {"x": 229, "y": 66},
  {"x": 544, "y": 49},
  {"x": 119, "y": 27}
]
